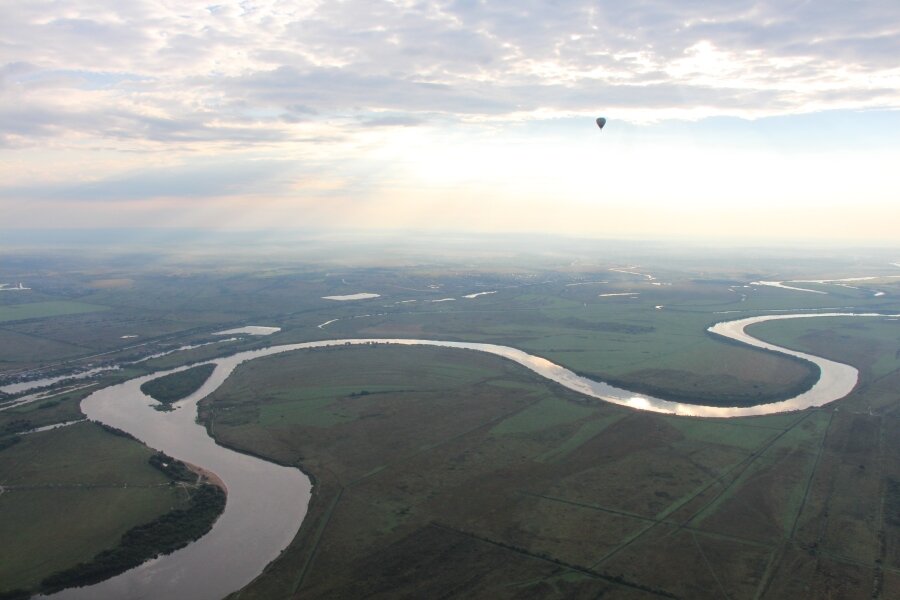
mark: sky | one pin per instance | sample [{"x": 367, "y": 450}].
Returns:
[{"x": 763, "y": 120}]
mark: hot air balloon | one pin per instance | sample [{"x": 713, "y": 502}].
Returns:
[{"x": 601, "y": 122}]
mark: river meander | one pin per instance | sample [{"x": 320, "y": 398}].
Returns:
[{"x": 267, "y": 502}]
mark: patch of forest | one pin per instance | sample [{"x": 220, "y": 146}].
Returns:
[
  {"x": 163, "y": 535},
  {"x": 175, "y": 386}
]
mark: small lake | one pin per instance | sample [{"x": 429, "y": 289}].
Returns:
[
  {"x": 348, "y": 297},
  {"x": 250, "y": 330}
]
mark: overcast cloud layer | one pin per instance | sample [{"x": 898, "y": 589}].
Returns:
[
  {"x": 140, "y": 73},
  {"x": 382, "y": 111}
]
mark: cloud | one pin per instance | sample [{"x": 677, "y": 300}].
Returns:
[
  {"x": 219, "y": 179},
  {"x": 342, "y": 90},
  {"x": 265, "y": 73},
  {"x": 392, "y": 121}
]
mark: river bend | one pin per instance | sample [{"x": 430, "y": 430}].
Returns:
[{"x": 267, "y": 502}]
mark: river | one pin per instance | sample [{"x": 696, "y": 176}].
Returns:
[{"x": 267, "y": 502}]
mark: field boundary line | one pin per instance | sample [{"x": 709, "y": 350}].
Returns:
[
  {"x": 880, "y": 536},
  {"x": 751, "y": 458},
  {"x": 326, "y": 518},
  {"x": 763, "y": 586},
  {"x": 559, "y": 563},
  {"x": 431, "y": 447},
  {"x": 86, "y": 486},
  {"x": 740, "y": 468},
  {"x": 613, "y": 511},
  {"x": 812, "y": 475},
  {"x": 775, "y": 565},
  {"x": 676, "y": 524},
  {"x": 709, "y": 566},
  {"x": 45, "y": 338}
]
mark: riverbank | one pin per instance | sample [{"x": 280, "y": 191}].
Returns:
[
  {"x": 462, "y": 471},
  {"x": 205, "y": 475},
  {"x": 281, "y": 494},
  {"x": 173, "y": 530}
]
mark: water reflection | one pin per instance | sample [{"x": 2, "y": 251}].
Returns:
[{"x": 267, "y": 502}]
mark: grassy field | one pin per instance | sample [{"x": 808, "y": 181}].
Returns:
[
  {"x": 59, "y": 407},
  {"x": 18, "y": 350},
  {"x": 40, "y": 310},
  {"x": 542, "y": 305},
  {"x": 493, "y": 483},
  {"x": 665, "y": 353},
  {"x": 445, "y": 473},
  {"x": 69, "y": 494},
  {"x": 870, "y": 344}
]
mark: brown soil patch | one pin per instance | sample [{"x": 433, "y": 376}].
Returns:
[{"x": 207, "y": 476}]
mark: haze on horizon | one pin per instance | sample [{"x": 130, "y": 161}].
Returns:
[{"x": 761, "y": 120}]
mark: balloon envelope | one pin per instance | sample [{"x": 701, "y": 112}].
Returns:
[{"x": 601, "y": 122}]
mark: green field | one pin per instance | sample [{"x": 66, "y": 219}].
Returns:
[
  {"x": 40, "y": 310},
  {"x": 627, "y": 341},
  {"x": 451, "y": 473},
  {"x": 103, "y": 482},
  {"x": 496, "y": 484}
]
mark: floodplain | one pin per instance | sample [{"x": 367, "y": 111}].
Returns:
[
  {"x": 70, "y": 494},
  {"x": 447, "y": 472}
]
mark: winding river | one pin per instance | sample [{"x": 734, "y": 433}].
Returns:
[{"x": 267, "y": 502}]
